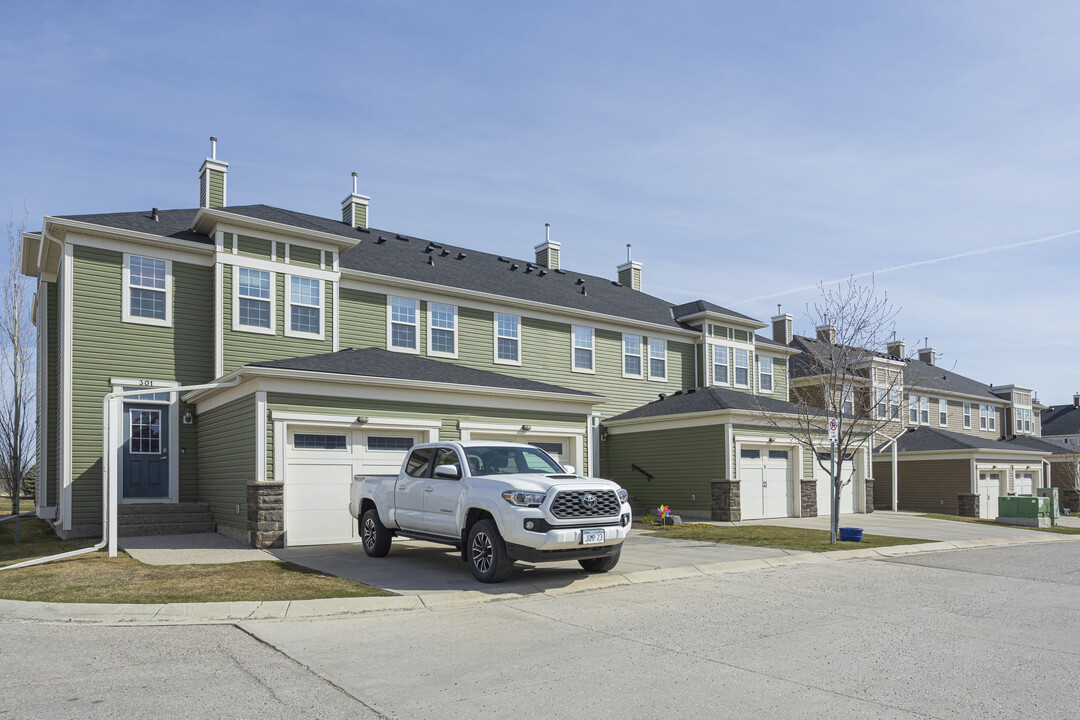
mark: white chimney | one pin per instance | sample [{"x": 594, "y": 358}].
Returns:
[
  {"x": 212, "y": 176},
  {"x": 354, "y": 209},
  {"x": 547, "y": 252}
]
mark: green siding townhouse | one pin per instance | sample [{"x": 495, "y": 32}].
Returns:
[{"x": 279, "y": 353}]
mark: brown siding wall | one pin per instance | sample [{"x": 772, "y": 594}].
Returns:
[{"x": 923, "y": 485}]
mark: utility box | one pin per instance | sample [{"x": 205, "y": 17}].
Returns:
[
  {"x": 1024, "y": 510},
  {"x": 1055, "y": 508}
]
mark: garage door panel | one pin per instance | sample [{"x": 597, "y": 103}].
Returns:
[
  {"x": 824, "y": 487},
  {"x": 765, "y": 482}
]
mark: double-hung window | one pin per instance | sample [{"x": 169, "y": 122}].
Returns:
[
  {"x": 894, "y": 404},
  {"x": 847, "y": 400},
  {"x": 765, "y": 376},
  {"x": 631, "y": 350},
  {"x": 967, "y": 416},
  {"x": 305, "y": 307},
  {"x": 913, "y": 409},
  {"x": 657, "y": 359},
  {"x": 991, "y": 418},
  {"x": 982, "y": 416},
  {"x": 924, "y": 410},
  {"x": 721, "y": 365},
  {"x": 742, "y": 367},
  {"x": 583, "y": 349},
  {"x": 147, "y": 290},
  {"x": 943, "y": 412},
  {"x": 254, "y": 300},
  {"x": 404, "y": 324},
  {"x": 442, "y": 330},
  {"x": 882, "y": 406},
  {"x": 507, "y": 339}
]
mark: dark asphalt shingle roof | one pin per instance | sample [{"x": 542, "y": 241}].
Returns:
[
  {"x": 926, "y": 439},
  {"x": 700, "y": 400},
  {"x": 1030, "y": 442},
  {"x": 411, "y": 258},
  {"x": 924, "y": 376},
  {"x": 1060, "y": 420},
  {"x": 380, "y": 363},
  {"x": 699, "y": 306}
]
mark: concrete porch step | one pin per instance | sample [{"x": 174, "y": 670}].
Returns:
[
  {"x": 161, "y": 508},
  {"x": 135, "y": 530}
]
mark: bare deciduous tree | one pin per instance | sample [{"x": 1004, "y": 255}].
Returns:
[
  {"x": 1066, "y": 474},
  {"x": 18, "y": 418},
  {"x": 845, "y": 374}
]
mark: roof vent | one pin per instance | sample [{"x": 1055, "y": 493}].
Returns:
[
  {"x": 431, "y": 261},
  {"x": 461, "y": 256},
  {"x": 444, "y": 253},
  {"x": 514, "y": 266},
  {"x": 583, "y": 291},
  {"x": 662, "y": 396},
  {"x": 154, "y": 214}
]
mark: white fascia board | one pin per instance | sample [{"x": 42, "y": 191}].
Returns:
[
  {"x": 729, "y": 319},
  {"x": 935, "y": 392},
  {"x": 29, "y": 249},
  {"x": 335, "y": 385},
  {"x": 85, "y": 231},
  {"x": 684, "y": 420},
  {"x": 207, "y": 220},
  {"x": 371, "y": 422},
  {"x": 385, "y": 284},
  {"x": 270, "y": 266},
  {"x": 981, "y": 454},
  {"x": 515, "y": 428},
  {"x": 283, "y": 240}
]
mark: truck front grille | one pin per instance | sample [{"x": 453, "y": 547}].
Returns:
[{"x": 570, "y": 504}]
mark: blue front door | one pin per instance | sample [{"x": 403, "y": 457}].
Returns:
[{"x": 146, "y": 451}]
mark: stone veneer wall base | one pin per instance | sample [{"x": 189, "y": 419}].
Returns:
[
  {"x": 808, "y": 497},
  {"x": 726, "y": 502},
  {"x": 869, "y": 485},
  {"x": 967, "y": 505},
  {"x": 266, "y": 514}
]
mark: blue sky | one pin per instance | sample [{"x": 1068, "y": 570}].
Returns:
[{"x": 745, "y": 149}]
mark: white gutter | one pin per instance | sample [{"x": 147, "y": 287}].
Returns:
[
  {"x": 109, "y": 481},
  {"x": 894, "y": 463}
]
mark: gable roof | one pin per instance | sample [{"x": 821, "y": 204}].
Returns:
[
  {"x": 379, "y": 363},
  {"x": 708, "y": 399},
  {"x": 702, "y": 306},
  {"x": 406, "y": 257},
  {"x": 927, "y": 439},
  {"x": 1030, "y": 442},
  {"x": 1060, "y": 420}
]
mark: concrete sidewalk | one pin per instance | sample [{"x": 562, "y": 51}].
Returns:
[
  {"x": 904, "y": 524},
  {"x": 712, "y": 559}
]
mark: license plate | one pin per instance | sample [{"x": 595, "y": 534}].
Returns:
[{"x": 592, "y": 537}]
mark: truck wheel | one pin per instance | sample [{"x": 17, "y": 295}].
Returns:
[
  {"x": 601, "y": 564},
  {"x": 487, "y": 553},
  {"x": 375, "y": 536}
]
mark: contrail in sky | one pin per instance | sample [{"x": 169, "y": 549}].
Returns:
[{"x": 969, "y": 253}]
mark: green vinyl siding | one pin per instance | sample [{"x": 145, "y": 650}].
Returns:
[
  {"x": 105, "y": 347},
  {"x": 754, "y": 432},
  {"x": 226, "y": 461},
  {"x": 52, "y": 396},
  {"x": 217, "y": 188},
  {"x": 683, "y": 463},
  {"x": 254, "y": 247},
  {"x": 362, "y": 319},
  {"x": 240, "y": 347},
  {"x": 305, "y": 256}
]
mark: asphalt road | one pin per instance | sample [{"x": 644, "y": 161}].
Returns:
[{"x": 990, "y": 633}]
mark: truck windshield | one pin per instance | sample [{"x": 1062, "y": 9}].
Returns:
[{"x": 509, "y": 460}]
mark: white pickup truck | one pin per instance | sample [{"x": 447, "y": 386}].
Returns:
[{"x": 496, "y": 502}]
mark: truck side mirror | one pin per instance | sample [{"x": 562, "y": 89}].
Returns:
[
  {"x": 451, "y": 472},
  {"x": 569, "y": 469}
]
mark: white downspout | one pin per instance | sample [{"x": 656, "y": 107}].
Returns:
[
  {"x": 895, "y": 462},
  {"x": 108, "y": 473}
]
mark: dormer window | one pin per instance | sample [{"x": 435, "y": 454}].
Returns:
[
  {"x": 742, "y": 367},
  {"x": 721, "y": 365}
]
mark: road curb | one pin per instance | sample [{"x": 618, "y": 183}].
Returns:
[{"x": 222, "y": 613}]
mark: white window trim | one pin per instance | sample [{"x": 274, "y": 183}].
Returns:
[
  {"x": 640, "y": 356},
  {"x": 771, "y": 374},
  {"x": 967, "y": 415},
  {"x": 127, "y": 316},
  {"x": 658, "y": 378},
  {"x": 943, "y": 409},
  {"x": 591, "y": 370},
  {"x": 712, "y": 364},
  {"x": 735, "y": 368},
  {"x": 289, "y": 332},
  {"x": 430, "y": 327},
  {"x": 991, "y": 418},
  {"x": 415, "y": 349},
  {"x": 272, "y": 330},
  {"x": 496, "y": 336},
  {"x": 924, "y": 407}
]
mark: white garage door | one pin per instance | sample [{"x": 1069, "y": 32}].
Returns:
[
  {"x": 764, "y": 482},
  {"x": 1024, "y": 483},
  {"x": 320, "y": 464},
  {"x": 824, "y": 487},
  {"x": 558, "y": 448},
  {"x": 989, "y": 490}
]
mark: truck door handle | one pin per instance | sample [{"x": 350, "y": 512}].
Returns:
[{"x": 428, "y": 489}]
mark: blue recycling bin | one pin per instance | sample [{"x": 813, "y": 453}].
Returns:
[{"x": 850, "y": 534}]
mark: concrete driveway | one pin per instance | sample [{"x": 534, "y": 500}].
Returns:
[
  {"x": 421, "y": 568},
  {"x": 901, "y": 524}
]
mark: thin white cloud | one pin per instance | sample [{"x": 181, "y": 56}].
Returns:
[{"x": 918, "y": 263}]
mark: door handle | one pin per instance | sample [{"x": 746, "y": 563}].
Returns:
[{"x": 428, "y": 489}]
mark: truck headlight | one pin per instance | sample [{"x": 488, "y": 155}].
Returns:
[
  {"x": 524, "y": 499},
  {"x": 622, "y": 495}
]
